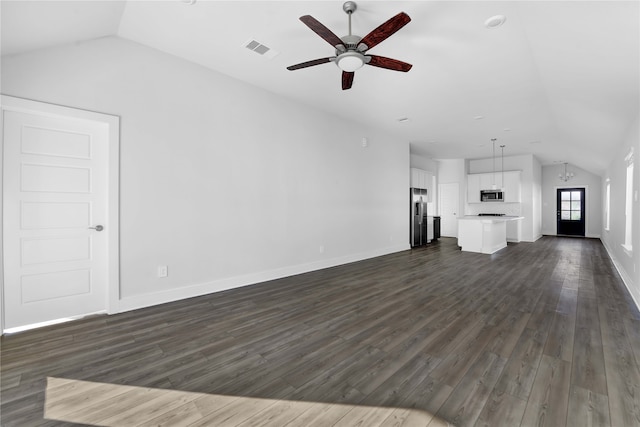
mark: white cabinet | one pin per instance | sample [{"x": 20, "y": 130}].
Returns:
[
  {"x": 512, "y": 192},
  {"x": 485, "y": 181},
  {"x": 422, "y": 179},
  {"x": 514, "y": 230},
  {"x": 417, "y": 178},
  {"x": 429, "y": 229},
  {"x": 477, "y": 182}
]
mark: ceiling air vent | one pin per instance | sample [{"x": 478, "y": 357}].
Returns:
[
  {"x": 257, "y": 47},
  {"x": 260, "y": 49}
]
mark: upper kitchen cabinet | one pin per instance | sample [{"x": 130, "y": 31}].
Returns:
[
  {"x": 489, "y": 181},
  {"x": 485, "y": 181},
  {"x": 422, "y": 179},
  {"x": 512, "y": 187},
  {"x": 477, "y": 182}
]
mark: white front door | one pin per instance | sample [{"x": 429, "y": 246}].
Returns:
[
  {"x": 56, "y": 214},
  {"x": 449, "y": 209}
]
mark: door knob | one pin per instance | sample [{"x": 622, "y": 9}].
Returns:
[{"x": 97, "y": 228}]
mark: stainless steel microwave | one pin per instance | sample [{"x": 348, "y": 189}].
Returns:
[{"x": 491, "y": 196}]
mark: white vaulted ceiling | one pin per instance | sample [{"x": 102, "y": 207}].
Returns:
[{"x": 560, "y": 79}]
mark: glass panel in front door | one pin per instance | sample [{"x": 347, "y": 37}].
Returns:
[{"x": 570, "y": 209}]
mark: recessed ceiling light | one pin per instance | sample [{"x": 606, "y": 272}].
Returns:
[
  {"x": 507, "y": 129},
  {"x": 495, "y": 21},
  {"x": 403, "y": 120},
  {"x": 478, "y": 118},
  {"x": 188, "y": 1}
]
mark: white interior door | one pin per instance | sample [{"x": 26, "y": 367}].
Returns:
[
  {"x": 56, "y": 217},
  {"x": 449, "y": 209}
]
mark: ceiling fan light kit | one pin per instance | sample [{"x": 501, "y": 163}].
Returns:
[
  {"x": 350, "y": 61},
  {"x": 351, "y": 50}
]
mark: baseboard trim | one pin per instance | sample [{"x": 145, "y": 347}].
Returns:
[
  {"x": 628, "y": 281},
  {"x": 50, "y": 322},
  {"x": 534, "y": 239},
  {"x": 190, "y": 291}
]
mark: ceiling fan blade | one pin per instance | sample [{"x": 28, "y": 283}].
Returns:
[
  {"x": 322, "y": 31},
  {"x": 385, "y": 30},
  {"x": 388, "y": 63},
  {"x": 310, "y": 63},
  {"x": 347, "y": 79}
]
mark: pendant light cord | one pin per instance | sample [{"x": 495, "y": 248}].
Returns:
[
  {"x": 502, "y": 147},
  {"x": 493, "y": 140}
]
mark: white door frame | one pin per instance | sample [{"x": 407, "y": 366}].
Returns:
[
  {"x": 441, "y": 192},
  {"x": 10, "y": 103},
  {"x": 586, "y": 208}
]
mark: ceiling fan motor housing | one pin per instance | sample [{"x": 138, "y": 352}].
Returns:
[{"x": 351, "y": 42}]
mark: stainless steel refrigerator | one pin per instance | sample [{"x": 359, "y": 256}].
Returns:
[{"x": 419, "y": 233}]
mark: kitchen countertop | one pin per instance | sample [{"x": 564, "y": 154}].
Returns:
[{"x": 492, "y": 219}]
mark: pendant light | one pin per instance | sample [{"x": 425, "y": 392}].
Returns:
[{"x": 567, "y": 175}]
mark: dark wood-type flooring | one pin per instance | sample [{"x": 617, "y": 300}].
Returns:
[{"x": 538, "y": 334}]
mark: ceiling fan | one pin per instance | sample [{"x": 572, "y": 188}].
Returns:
[{"x": 351, "y": 50}]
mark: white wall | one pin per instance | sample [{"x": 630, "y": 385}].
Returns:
[
  {"x": 593, "y": 194},
  {"x": 530, "y": 189},
  {"x": 628, "y": 264},
  {"x": 536, "y": 192},
  {"x": 424, "y": 163},
  {"x": 223, "y": 182},
  {"x": 453, "y": 171},
  {"x": 450, "y": 171}
]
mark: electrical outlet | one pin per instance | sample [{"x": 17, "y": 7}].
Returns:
[{"x": 163, "y": 271}]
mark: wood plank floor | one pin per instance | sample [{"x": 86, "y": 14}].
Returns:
[{"x": 538, "y": 334}]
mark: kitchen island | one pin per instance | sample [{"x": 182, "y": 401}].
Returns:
[{"x": 483, "y": 234}]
